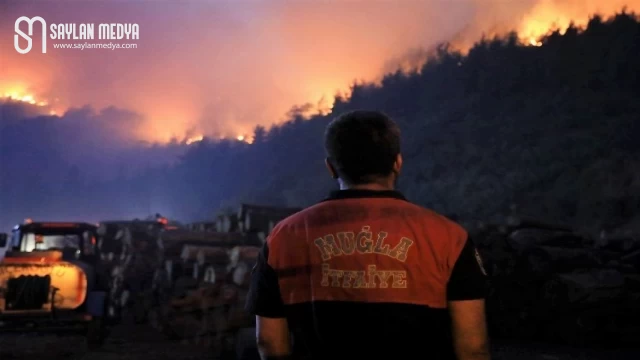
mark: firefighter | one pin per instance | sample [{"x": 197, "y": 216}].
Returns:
[{"x": 366, "y": 274}]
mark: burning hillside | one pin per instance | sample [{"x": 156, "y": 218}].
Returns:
[{"x": 235, "y": 82}]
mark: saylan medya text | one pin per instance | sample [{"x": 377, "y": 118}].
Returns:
[{"x": 348, "y": 243}]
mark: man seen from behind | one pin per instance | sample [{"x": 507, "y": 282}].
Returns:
[{"x": 366, "y": 274}]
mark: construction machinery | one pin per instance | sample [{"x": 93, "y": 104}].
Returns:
[{"x": 51, "y": 277}]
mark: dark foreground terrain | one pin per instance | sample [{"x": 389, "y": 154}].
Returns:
[{"x": 142, "y": 343}]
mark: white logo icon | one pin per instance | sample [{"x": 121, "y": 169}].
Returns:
[{"x": 28, "y": 37}]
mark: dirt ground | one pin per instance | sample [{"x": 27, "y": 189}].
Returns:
[{"x": 143, "y": 343}]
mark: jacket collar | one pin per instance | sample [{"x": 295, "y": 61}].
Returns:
[{"x": 359, "y": 194}]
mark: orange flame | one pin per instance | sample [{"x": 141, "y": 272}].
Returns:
[
  {"x": 27, "y": 98},
  {"x": 194, "y": 139}
]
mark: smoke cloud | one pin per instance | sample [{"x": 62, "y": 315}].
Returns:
[{"x": 219, "y": 68}]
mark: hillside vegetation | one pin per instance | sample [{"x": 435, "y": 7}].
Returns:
[{"x": 553, "y": 129}]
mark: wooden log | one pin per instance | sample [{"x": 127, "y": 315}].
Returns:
[
  {"x": 184, "y": 318},
  {"x": 215, "y": 274},
  {"x": 195, "y": 316},
  {"x": 247, "y": 222},
  {"x": 183, "y": 286},
  {"x": 109, "y": 237},
  {"x": 585, "y": 288},
  {"x": 258, "y": 218},
  {"x": 213, "y": 255},
  {"x": 168, "y": 269},
  {"x": 188, "y": 269},
  {"x": 549, "y": 260},
  {"x": 241, "y": 275},
  {"x": 181, "y": 237},
  {"x": 214, "y": 330},
  {"x": 238, "y": 318},
  {"x": 243, "y": 254},
  {"x": 261, "y": 209},
  {"x": 203, "y": 226},
  {"x": 189, "y": 253},
  {"x": 523, "y": 239},
  {"x": 624, "y": 244},
  {"x": 226, "y": 224},
  {"x": 632, "y": 258},
  {"x": 177, "y": 268},
  {"x": 567, "y": 240},
  {"x": 240, "y": 214},
  {"x": 219, "y": 223},
  {"x": 230, "y": 223},
  {"x": 522, "y": 222},
  {"x": 196, "y": 272}
]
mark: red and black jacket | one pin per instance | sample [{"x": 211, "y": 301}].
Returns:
[{"x": 366, "y": 274}]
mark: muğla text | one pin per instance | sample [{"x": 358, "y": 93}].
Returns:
[{"x": 348, "y": 243}]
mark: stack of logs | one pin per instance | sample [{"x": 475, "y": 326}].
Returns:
[
  {"x": 131, "y": 252},
  {"x": 555, "y": 283},
  {"x": 202, "y": 284}
]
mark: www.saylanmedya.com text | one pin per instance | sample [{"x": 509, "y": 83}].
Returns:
[
  {"x": 87, "y": 46},
  {"x": 348, "y": 243}
]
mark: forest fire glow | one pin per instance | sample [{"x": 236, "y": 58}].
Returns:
[
  {"x": 173, "y": 109},
  {"x": 18, "y": 96},
  {"x": 194, "y": 139}
]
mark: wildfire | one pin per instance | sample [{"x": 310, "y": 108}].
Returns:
[
  {"x": 245, "y": 138},
  {"x": 198, "y": 138},
  {"x": 194, "y": 139},
  {"x": 311, "y": 81},
  {"x": 27, "y": 98},
  {"x": 15, "y": 96},
  {"x": 536, "y": 27},
  {"x": 534, "y": 42}
]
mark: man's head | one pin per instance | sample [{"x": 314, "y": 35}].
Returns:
[{"x": 363, "y": 148}]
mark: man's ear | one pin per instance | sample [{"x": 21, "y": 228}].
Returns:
[
  {"x": 332, "y": 171},
  {"x": 397, "y": 165}
]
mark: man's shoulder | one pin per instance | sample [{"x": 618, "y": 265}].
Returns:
[
  {"x": 428, "y": 217},
  {"x": 290, "y": 222}
]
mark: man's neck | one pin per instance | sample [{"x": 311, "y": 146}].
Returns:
[{"x": 371, "y": 187}]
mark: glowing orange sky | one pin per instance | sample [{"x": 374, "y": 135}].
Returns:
[{"x": 220, "y": 68}]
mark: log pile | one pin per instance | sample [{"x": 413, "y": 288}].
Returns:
[
  {"x": 259, "y": 219},
  {"x": 131, "y": 252},
  {"x": 202, "y": 226},
  {"x": 228, "y": 223},
  {"x": 204, "y": 279},
  {"x": 202, "y": 284},
  {"x": 552, "y": 283}
]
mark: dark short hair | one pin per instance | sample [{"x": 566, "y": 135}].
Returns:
[{"x": 362, "y": 146}]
